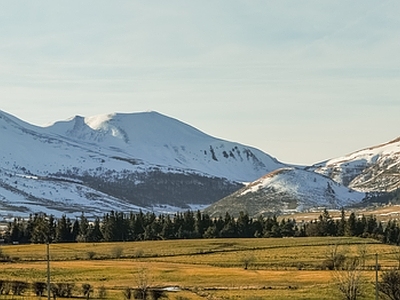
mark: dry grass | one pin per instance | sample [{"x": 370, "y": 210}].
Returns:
[{"x": 283, "y": 268}]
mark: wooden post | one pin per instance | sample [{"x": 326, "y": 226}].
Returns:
[
  {"x": 376, "y": 276},
  {"x": 48, "y": 270}
]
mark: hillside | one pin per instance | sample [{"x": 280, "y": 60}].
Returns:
[
  {"x": 284, "y": 191},
  {"x": 374, "y": 169}
]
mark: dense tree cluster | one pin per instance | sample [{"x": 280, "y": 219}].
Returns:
[{"x": 118, "y": 226}]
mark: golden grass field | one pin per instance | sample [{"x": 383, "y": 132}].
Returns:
[{"x": 203, "y": 269}]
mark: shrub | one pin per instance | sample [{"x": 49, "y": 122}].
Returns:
[
  {"x": 65, "y": 289},
  {"x": 335, "y": 263},
  {"x": 18, "y": 287},
  {"x": 156, "y": 294},
  {"x": 139, "y": 253},
  {"x": 91, "y": 254},
  {"x": 127, "y": 292},
  {"x": 6, "y": 288},
  {"x": 117, "y": 252},
  {"x": 87, "y": 289},
  {"x": 390, "y": 284},
  {"x": 102, "y": 292},
  {"x": 4, "y": 257},
  {"x": 39, "y": 288}
]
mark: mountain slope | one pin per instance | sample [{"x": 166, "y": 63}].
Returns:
[
  {"x": 283, "y": 191},
  {"x": 159, "y": 140},
  {"x": 129, "y": 161},
  {"x": 375, "y": 169}
]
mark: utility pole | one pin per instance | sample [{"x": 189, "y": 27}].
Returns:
[
  {"x": 48, "y": 270},
  {"x": 376, "y": 276}
]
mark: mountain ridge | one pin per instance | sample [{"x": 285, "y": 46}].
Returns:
[
  {"x": 70, "y": 162},
  {"x": 149, "y": 161}
]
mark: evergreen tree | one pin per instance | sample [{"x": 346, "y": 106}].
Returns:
[
  {"x": 202, "y": 222},
  {"x": 229, "y": 229},
  {"x": 258, "y": 226},
  {"x": 75, "y": 230},
  {"x": 287, "y": 228},
  {"x": 371, "y": 226},
  {"x": 41, "y": 229},
  {"x": 167, "y": 231},
  {"x": 16, "y": 231},
  {"x": 109, "y": 227},
  {"x": 243, "y": 226},
  {"x": 351, "y": 225},
  {"x": 83, "y": 235},
  {"x": 138, "y": 227},
  {"x": 95, "y": 233},
  {"x": 62, "y": 230},
  {"x": 341, "y": 226}
]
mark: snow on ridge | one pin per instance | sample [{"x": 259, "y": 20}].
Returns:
[
  {"x": 157, "y": 139},
  {"x": 365, "y": 170},
  {"x": 369, "y": 155},
  {"x": 306, "y": 185}
]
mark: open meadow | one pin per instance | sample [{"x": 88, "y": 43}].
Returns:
[{"x": 245, "y": 269}]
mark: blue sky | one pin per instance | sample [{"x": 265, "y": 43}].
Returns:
[{"x": 301, "y": 80}]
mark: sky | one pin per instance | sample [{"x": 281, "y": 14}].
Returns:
[{"x": 303, "y": 81}]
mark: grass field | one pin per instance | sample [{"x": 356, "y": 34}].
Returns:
[{"x": 202, "y": 269}]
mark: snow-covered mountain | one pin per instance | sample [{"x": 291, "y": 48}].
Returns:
[
  {"x": 375, "y": 169},
  {"x": 159, "y": 140},
  {"x": 119, "y": 161},
  {"x": 286, "y": 190},
  {"x": 149, "y": 161}
]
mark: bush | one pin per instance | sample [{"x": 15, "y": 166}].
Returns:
[
  {"x": 18, "y": 287},
  {"x": 4, "y": 257},
  {"x": 6, "y": 288},
  {"x": 117, "y": 252},
  {"x": 91, "y": 254},
  {"x": 139, "y": 253},
  {"x": 87, "y": 289},
  {"x": 156, "y": 294},
  {"x": 39, "y": 288},
  {"x": 64, "y": 289},
  {"x": 390, "y": 284},
  {"x": 102, "y": 292},
  {"x": 127, "y": 292},
  {"x": 335, "y": 263}
]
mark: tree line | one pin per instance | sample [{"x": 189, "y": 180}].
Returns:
[{"x": 119, "y": 226}]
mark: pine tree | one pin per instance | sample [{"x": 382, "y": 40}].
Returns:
[
  {"x": 167, "y": 231},
  {"x": 351, "y": 225},
  {"x": 83, "y": 235},
  {"x": 62, "y": 230},
  {"x": 341, "y": 226},
  {"x": 95, "y": 233}
]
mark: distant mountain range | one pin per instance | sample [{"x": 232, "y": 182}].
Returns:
[
  {"x": 152, "y": 162},
  {"x": 119, "y": 161}
]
